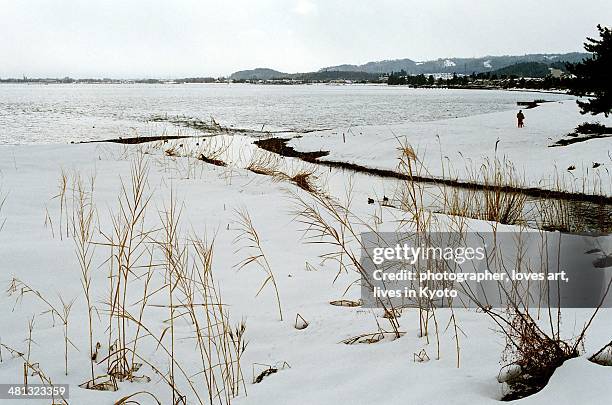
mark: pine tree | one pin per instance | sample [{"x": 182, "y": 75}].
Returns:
[{"x": 593, "y": 76}]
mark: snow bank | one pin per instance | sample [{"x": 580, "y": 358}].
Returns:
[{"x": 322, "y": 371}]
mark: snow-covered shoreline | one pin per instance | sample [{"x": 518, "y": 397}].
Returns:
[
  {"x": 458, "y": 147},
  {"x": 320, "y": 369}
]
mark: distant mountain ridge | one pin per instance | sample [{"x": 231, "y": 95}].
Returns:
[
  {"x": 442, "y": 65},
  {"x": 458, "y": 65}
]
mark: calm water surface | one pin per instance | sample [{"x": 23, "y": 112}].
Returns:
[{"x": 60, "y": 113}]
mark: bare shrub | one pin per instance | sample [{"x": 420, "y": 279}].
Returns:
[{"x": 536, "y": 354}]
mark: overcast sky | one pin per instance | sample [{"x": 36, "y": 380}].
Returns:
[{"x": 179, "y": 38}]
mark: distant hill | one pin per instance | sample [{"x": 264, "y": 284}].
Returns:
[
  {"x": 524, "y": 69},
  {"x": 258, "y": 74},
  {"x": 530, "y": 69},
  {"x": 458, "y": 65},
  {"x": 371, "y": 70},
  {"x": 385, "y": 66},
  {"x": 268, "y": 74}
]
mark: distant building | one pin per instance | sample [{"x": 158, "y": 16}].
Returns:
[{"x": 556, "y": 73}]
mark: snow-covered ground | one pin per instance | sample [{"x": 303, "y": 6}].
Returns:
[
  {"x": 320, "y": 369},
  {"x": 463, "y": 144}
]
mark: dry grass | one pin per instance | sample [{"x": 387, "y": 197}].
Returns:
[
  {"x": 19, "y": 289},
  {"x": 532, "y": 352},
  {"x": 498, "y": 198},
  {"x": 555, "y": 215},
  {"x": 147, "y": 259},
  {"x": 345, "y": 303},
  {"x": 250, "y": 240},
  {"x": 265, "y": 163},
  {"x": 370, "y": 338},
  {"x": 502, "y": 206},
  {"x": 83, "y": 223},
  {"x": 536, "y": 354},
  {"x": 302, "y": 179},
  {"x": 34, "y": 369},
  {"x": 214, "y": 150},
  {"x": 139, "y": 255},
  {"x": 62, "y": 196},
  {"x": 328, "y": 222},
  {"x": 269, "y": 164},
  {"x": 3, "y": 198},
  {"x": 422, "y": 223}
]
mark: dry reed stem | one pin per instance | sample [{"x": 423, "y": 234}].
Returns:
[{"x": 249, "y": 236}]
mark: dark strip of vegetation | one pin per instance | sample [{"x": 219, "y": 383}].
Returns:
[
  {"x": 486, "y": 80},
  {"x": 279, "y": 146},
  {"x": 583, "y": 133},
  {"x": 139, "y": 139}
]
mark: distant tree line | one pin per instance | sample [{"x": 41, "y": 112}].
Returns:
[
  {"x": 323, "y": 76},
  {"x": 421, "y": 80},
  {"x": 476, "y": 80}
]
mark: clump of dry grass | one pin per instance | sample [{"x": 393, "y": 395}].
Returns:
[
  {"x": 267, "y": 370},
  {"x": 303, "y": 180},
  {"x": 500, "y": 203},
  {"x": 555, "y": 215},
  {"x": 191, "y": 291},
  {"x": 411, "y": 193},
  {"x": 422, "y": 223},
  {"x": 269, "y": 164},
  {"x": 215, "y": 150},
  {"x": 146, "y": 259},
  {"x": 496, "y": 198},
  {"x": 171, "y": 152},
  {"x": 214, "y": 162},
  {"x": 127, "y": 244},
  {"x": 371, "y": 338},
  {"x": 265, "y": 163}
]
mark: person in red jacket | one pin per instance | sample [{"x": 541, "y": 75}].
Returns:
[{"x": 520, "y": 117}]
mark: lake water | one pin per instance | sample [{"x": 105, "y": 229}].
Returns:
[{"x": 36, "y": 113}]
